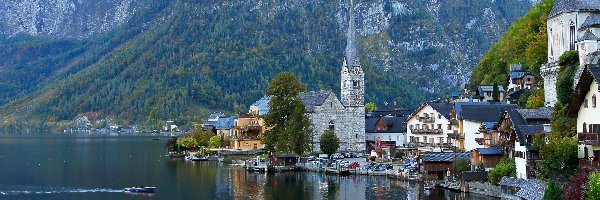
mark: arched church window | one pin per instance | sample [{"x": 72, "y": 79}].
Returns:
[
  {"x": 551, "y": 44},
  {"x": 594, "y": 101},
  {"x": 331, "y": 125},
  {"x": 584, "y": 127}
]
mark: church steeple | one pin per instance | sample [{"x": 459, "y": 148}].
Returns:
[{"x": 352, "y": 77}]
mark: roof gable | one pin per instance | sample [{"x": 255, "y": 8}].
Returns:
[
  {"x": 443, "y": 108},
  {"x": 484, "y": 113},
  {"x": 312, "y": 99},
  {"x": 590, "y": 73}
]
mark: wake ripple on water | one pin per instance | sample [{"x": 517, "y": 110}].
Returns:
[{"x": 18, "y": 190}]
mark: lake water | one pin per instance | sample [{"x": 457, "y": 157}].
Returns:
[{"x": 63, "y": 166}]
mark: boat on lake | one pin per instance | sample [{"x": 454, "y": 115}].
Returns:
[
  {"x": 140, "y": 189},
  {"x": 196, "y": 158}
]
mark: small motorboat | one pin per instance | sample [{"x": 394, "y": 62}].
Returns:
[
  {"x": 429, "y": 185},
  {"x": 140, "y": 189}
]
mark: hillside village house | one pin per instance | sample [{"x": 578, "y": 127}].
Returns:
[
  {"x": 429, "y": 126},
  {"x": 484, "y": 93},
  {"x": 389, "y": 127},
  {"x": 471, "y": 116},
  {"x": 248, "y": 131},
  {"x": 571, "y": 25},
  {"x": 516, "y": 129},
  {"x": 520, "y": 79},
  {"x": 585, "y": 107},
  {"x": 219, "y": 124}
]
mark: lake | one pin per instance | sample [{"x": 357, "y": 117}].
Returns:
[{"x": 83, "y": 166}]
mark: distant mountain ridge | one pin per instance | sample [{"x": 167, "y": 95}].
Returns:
[{"x": 178, "y": 59}]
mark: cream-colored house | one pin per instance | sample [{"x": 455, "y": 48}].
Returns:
[{"x": 585, "y": 107}]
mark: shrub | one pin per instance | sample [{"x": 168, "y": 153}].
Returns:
[
  {"x": 592, "y": 192},
  {"x": 553, "y": 191},
  {"x": 506, "y": 167}
]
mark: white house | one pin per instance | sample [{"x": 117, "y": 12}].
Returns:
[
  {"x": 585, "y": 107},
  {"x": 471, "y": 116},
  {"x": 429, "y": 126}
]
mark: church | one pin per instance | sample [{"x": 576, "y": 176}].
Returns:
[{"x": 571, "y": 25}]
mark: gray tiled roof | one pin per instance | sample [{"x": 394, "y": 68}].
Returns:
[
  {"x": 444, "y": 156},
  {"x": 443, "y": 108},
  {"x": 588, "y": 35},
  {"x": 519, "y": 74},
  {"x": 490, "y": 151},
  {"x": 536, "y": 113},
  {"x": 489, "y": 88},
  {"x": 395, "y": 124},
  {"x": 485, "y": 112},
  {"x": 591, "y": 21},
  {"x": 561, "y": 6},
  {"x": 530, "y": 188},
  {"x": 314, "y": 98},
  {"x": 590, "y": 73}
]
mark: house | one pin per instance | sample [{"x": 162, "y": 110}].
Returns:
[
  {"x": 390, "y": 129},
  {"x": 520, "y": 79},
  {"x": 247, "y": 132},
  {"x": 516, "y": 129},
  {"x": 260, "y": 107},
  {"x": 471, "y": 116},
  {"x": 513, "y": 96},
  {"x": 486, "y": 93},
  {"x": 584, "y": 106},
  {"x": 571, "y": 25},
  {"x": 429, "y": 126},
  {"x": 486, "y": 157},
  {"x": 436, "y": 165}
]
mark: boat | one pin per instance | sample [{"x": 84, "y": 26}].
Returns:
[
  {"x": 156, "y": 139},
  {"x": 140, "y": 189},
  {"x": 196, "y": 158}
]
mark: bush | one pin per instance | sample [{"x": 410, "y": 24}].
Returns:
[
  {"x": 215, "y": 141},
  {"x": 227, "y": 161},
  {"x": 592, "y": 192},
  {"x": 553, "y": 191},
  {"x": 576, "y": 186},
  {"x": 462, "y": 165},
  {"x": 506, "y": 167}
]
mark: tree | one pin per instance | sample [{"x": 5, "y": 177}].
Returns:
[
  {"x": 559, "y": 156},
  {"x": 496, "y": 93},
  {"x": 370, "y": 106},
  {"x": 574, "y": 189},
  {"x": 215, "y": 141},
  {"x": 462, "y": 165},
  {"x": 592, "y": 191},
  {"x": 188, "y": 143},
  {"x": 506, "y": 167},
  {"x": 291, "y": 129},
  {"x": 553, "y": 191},
  {"x": 568, "y": 62},
  {"x": 330, "y": 143}
]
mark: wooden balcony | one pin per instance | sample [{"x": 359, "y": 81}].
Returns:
[
  {"x": 588, "y": 138},
  {"x": 427, "y": 131},
  {"x": 589, "y": 164},
  {"x": 427, "y": 119},
  {"x": 456, "y": 135}
]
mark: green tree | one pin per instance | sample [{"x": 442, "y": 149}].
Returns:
[
  {"x": 506, "y": 167},
  {"x": 462, "y": 165},
  {"x": 291, "y": 129},
  {"x": 536, "y": 99},
  {"x": 568, "y": 62},
  {"x": 553, "y": 191},
  {"x": 330, "y": 143},
  {"x": 215, "y": 141},
  {"x": 559, "y": 156},
  {"x": 371, "y": 106},
  {"x": 592, "y": 192},
  {"x": 187, "y": 142},
  {"x": 496, "y": 93}
]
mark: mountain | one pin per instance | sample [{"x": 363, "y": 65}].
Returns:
[{"x": 179, "y": 59}]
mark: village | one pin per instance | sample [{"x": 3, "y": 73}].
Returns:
[{"x": 458, "y": 142}]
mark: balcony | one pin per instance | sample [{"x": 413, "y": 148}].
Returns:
[
  {"x": 589, "y": 164},
  {"x": 588, "y": 138},
  {"x": 246, "y": 138},
  {"x": 427, "y": 131},
  {"x": 456, "y": 135},
  {"x": 480, "y": 141}
]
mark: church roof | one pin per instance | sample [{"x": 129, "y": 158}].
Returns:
[
  {"x": 591, "y": 21},
  {"x": 561, "y": 6},
  {"x": 588, "y": 35},
  {"x": 312, "y": 99},
  {"x": 590, "y": 73},
  {"x": 536, "y": 113}
]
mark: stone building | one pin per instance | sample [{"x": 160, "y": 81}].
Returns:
[{"x": 571, "y": 25}]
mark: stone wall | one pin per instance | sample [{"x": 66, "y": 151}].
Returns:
[{"x": 549, "y": 73}]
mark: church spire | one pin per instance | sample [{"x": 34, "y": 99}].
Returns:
[{"x": 351, "y": 36}]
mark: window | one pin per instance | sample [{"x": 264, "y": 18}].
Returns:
[
  {"x": 424, "y": 138},
  {"x": 389, "y": 137},
  {"x": 585, "y": 103},
  {"x": 331, "y": 104},
  {"x": 594, "y": 128},
  {"x": 411, "y": 127},
  {"x": 441, "y": 140},
  {"x": 551, "y": 44},
  {"x": 431, "y": 140},
  {"x": 594, "y": 101},
  {"x": 439, "y": 116},
  {"x": 398, "y": 137},
  {"x": 449, "y": 127},
  {"x": 412, "y": 138},
  {"x": 584, "y": 127},
  {"x": 356, "y": 136},
  {"x": 418, "y": 126},
  {"x": 356, "y": 84},
  {"x": 439, "y": 126},
  {"x": 331, "y": 125},
  {"x": 572, "y": 35}
]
